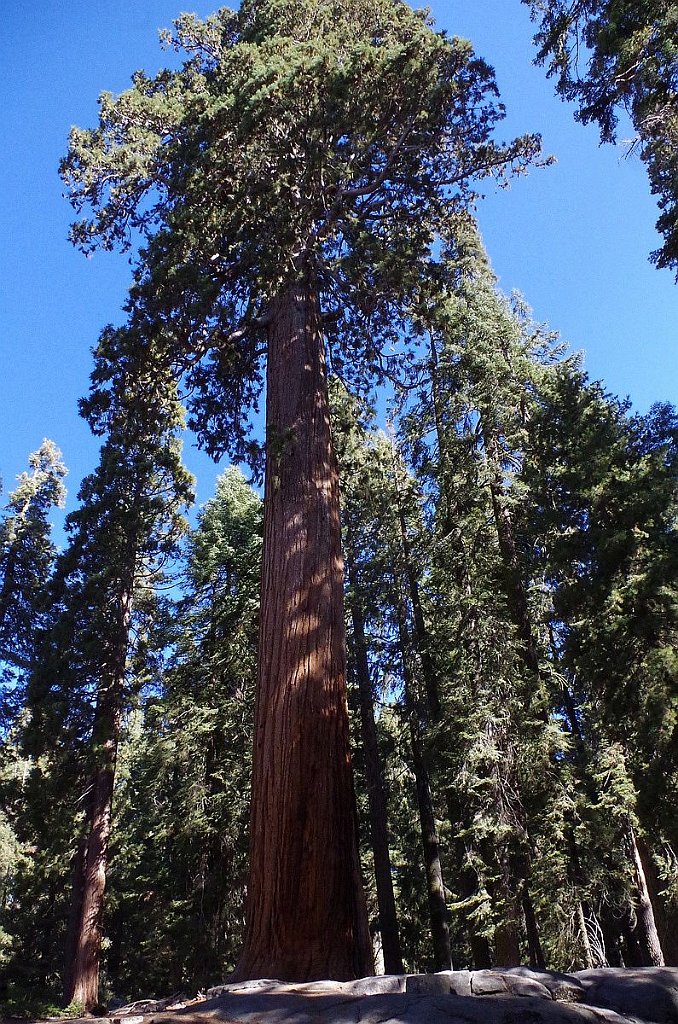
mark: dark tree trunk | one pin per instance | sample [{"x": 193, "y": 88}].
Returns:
[
  {"x": 307, "y": 916},
  {"x": 466, "y": 880},
  {"x": 507, "y": 929},
  {"x": 633, "y": 954},
  {"x": 612, "y": 937},
  {"x": 6, "y": 592},
  {"x": 75, "y": 910},
  {"x": 420, "y": 632},
  {"x": 437, "y": 904},
  {"x": 81, "y": 981},
  {"x": 536, "y": 953},
  {"x": 506, "y": 942},
  {"x": 388, "y": 920}
]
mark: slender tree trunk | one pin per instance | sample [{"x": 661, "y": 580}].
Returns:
[
  {"x": 646, "y": 927},
  {"x": 507, "y": 930},
  {"x": 421, "y": 633},
  {"x": 6, "y": 591},
  {"x": 388, "y": 920},
  {"x": 534, "y": 946},
  {"x": 307, "y": 916},
  {"x": 437, "y": 904},
  {"x": 589, "y": 962},
  {"x": 612, "y": 937},
  {"x": 668, "y": 936},
  {"x": 81, "y": 983},
  {"x": 467, "y": 880}
]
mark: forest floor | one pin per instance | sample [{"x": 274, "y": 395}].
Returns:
[{"x": 501, "y": 996}]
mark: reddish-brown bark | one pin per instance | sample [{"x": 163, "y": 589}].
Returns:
[
  {"x": 83, "y": 953},
  {"x": 82, "y": 968},
  {"x": 668, "y": 933},
  {"x": 306, "y": 910}
]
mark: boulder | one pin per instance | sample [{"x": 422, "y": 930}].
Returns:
[
  {"x": 517, "y": 995},
  {"x": 650, "y": 993},
  {"x": 564, "y": 988},
  {"x": 457, "y": 983}
]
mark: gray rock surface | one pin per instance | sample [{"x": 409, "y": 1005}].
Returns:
[
  {"x": 648, "y": 992},
  {"x": 502, "y": 996}
]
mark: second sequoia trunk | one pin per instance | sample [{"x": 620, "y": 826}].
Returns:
[{"x": 307, "y": 917}]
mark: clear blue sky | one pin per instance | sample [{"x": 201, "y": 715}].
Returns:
[{"x": 574, "y": 238}]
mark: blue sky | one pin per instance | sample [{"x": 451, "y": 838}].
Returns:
[{"x": 573, "y": 238}]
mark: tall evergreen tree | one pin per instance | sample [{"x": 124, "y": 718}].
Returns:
[
  {"x": 482, "y": 365},
  {"x": 27, "y": 554},
  {"x": 180, "y": 831},
  {"x": 121, "y": 538},
  {"x": 603, "y": 505},
  {"x": 305, "y": 157},
  {"x": 361, "y": 540}
]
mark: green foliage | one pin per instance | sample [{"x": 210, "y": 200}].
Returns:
[
  {"x": 511, "y": 543},
  {"x": 26, "y": 561},
  {"x": 345, "y": 137},
  {"x": 179, "y": 860},
  {"x": 614, "y": 55}
]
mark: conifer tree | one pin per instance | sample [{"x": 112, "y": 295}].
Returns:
[
  {"x": 614, "y": 56},
  {"x": 466, "y": 434},
  {"x": 603, "y": 502},
  {"x": 121, "y": 538},
  {"x": 361, "y": 540},
  {"x": 179, "y": 868},
  {"x": 27, "y": 554},
  {"x": 304, "y": 158},
  {"x": 375, "y": 485}
]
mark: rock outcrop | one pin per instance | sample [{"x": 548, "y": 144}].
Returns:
[{"x": 501, "y": 996}]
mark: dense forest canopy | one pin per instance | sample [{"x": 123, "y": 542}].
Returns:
[{"x": 419, "y": 706}]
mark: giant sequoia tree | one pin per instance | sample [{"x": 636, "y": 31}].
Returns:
[{"x": 301, "y": 162}]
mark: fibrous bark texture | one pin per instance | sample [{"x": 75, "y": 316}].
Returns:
[
  {"x": 81, "y": 981},
  {"x": 307, "y": 917}
]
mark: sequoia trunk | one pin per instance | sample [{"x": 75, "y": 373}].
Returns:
[{"x": 307, "y": 916}]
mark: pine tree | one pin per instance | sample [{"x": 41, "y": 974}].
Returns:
[
  {"x": 120, "y": 540},
  {"x": 179, "y": 868},
  {"x": 27, "y": 555},
  {"x": 604, "y": 506}
]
